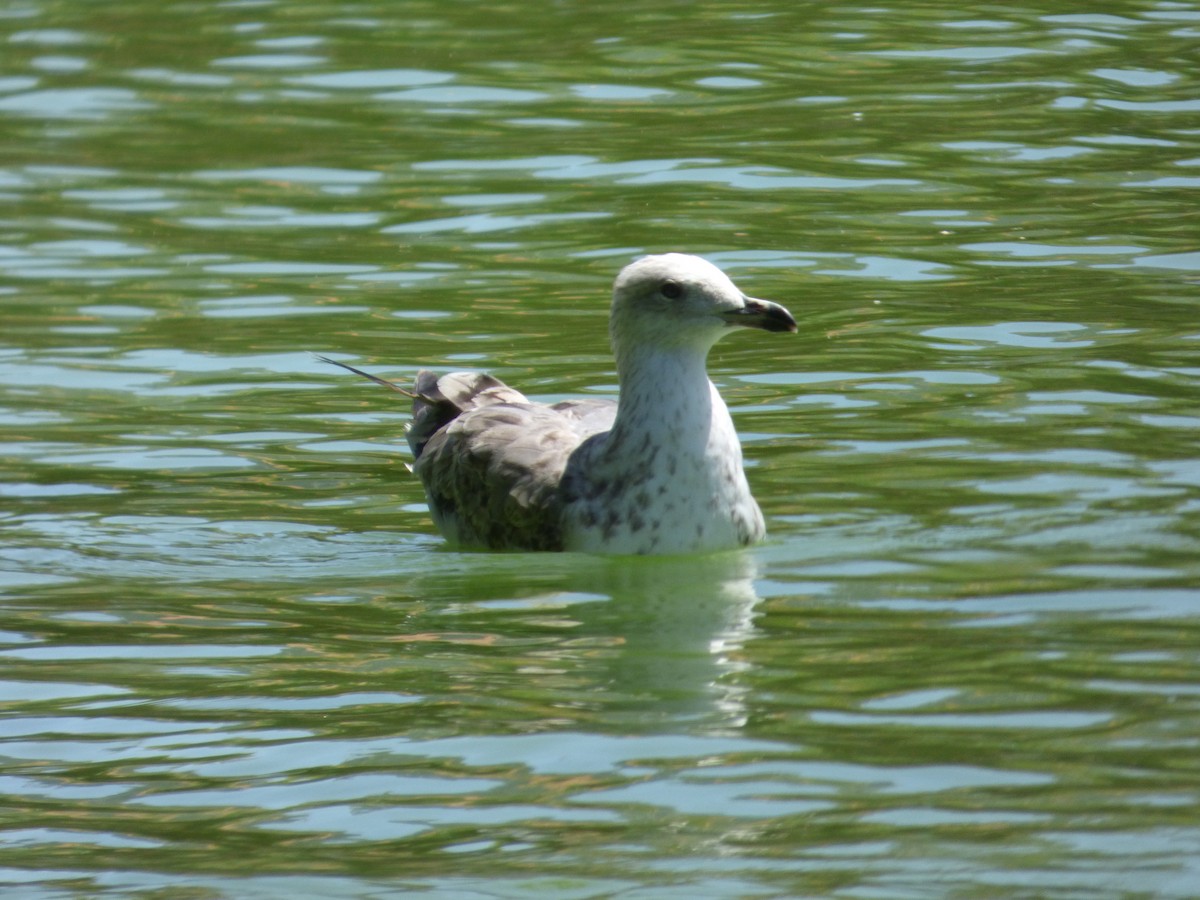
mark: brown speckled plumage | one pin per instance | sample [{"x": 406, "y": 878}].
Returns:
[{"x": 658, "y": 472}]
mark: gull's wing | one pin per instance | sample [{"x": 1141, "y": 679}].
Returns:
[
  {"x": 439, "y": 401},
  {"x": 491, "y": 460}
]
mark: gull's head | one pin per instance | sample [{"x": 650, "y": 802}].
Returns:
[{"x": 677, "y": 300}]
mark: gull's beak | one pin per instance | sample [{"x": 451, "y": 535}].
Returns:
[{"x": 762, "y": 314}]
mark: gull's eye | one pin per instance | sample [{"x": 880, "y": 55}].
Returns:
[{"x": 672, "y": 290}]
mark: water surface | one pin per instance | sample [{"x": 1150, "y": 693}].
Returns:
[{"x": 235, "y": 660}]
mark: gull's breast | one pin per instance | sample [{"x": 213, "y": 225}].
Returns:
[{"x": 662, "y": 494}]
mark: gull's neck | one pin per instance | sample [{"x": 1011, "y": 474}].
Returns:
[{"x": 665, "y": 389}]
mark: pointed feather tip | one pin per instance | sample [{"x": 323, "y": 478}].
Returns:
[{"x": 391, "y": 386}]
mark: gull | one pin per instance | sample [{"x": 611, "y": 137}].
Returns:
[{"x": 658, "y": 471}]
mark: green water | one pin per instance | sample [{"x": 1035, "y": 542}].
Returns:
[{"x": 235, "y": 660}]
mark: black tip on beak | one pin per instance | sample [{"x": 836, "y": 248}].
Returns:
[{"x": 761, "y": 314}]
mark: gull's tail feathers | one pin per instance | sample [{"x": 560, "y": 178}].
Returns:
[
  {"x": 438, "y": 401},
  {"x": 391, "y": 386}
]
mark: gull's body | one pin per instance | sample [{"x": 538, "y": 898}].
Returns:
[{"x": 659, "y": 471}]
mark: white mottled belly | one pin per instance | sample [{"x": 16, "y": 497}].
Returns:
[{"x": 672, "y": 506}]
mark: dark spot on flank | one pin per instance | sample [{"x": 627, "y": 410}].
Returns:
[
  {"x": 610, "y": 524},
  {"x": 745, "y": 534}
]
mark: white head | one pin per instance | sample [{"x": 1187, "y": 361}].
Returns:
[{"x": 679, "y": 301}]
